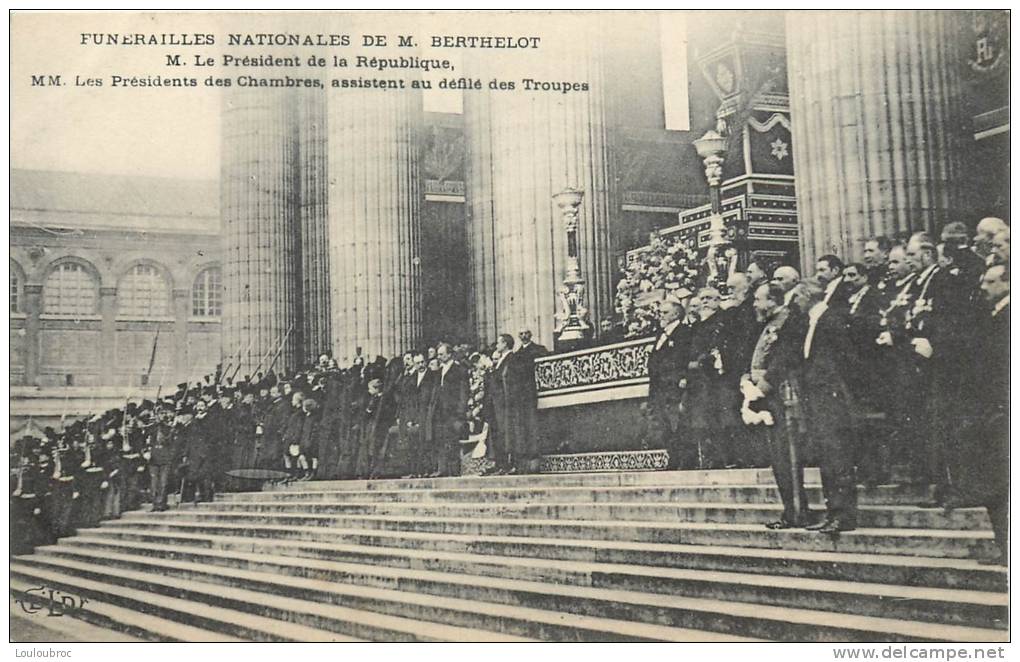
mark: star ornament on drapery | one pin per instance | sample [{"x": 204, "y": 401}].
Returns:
[{"x": 780, "y": 149}]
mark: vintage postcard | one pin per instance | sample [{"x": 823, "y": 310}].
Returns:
[{"x": 510, "y": 326}]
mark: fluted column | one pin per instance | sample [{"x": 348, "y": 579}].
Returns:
[
  {"x": 875, "y": 107},
  {"x": 524, "y": 147},
  {"x": 374, "y": 219},
  {"x": 314, "y": 222},
  {"x": 260, "y": 219}
]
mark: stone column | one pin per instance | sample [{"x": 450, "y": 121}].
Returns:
[
  {"x": 108, "y": 335},
  {"x": 875, "y": 104},
  {"x": 374, "y": 220},
  {"x": 524, "y": 147},
  {"x": 314, "y": 176},
  {"x": 260, "y": 219},
  {"x": 33, "y": 308}
]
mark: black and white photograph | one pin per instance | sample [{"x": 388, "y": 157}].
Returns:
[{"x": 495, "y": 327}]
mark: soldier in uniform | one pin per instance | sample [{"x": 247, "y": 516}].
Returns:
[
  {"x": 132, "y": 462},
  {"x": 91, "y": 476},
  {"x": 912, "y": 351},
  {"x": 773, "y": 374},
  {"x": 869, "y": 377},
  {"x": 896, "y": 300},
  {"x": 29, "y": 498},
  {"x": 162, "y": 453},
  {"x": 876, "y": 260},
  {"x": 63, "y": 499}
]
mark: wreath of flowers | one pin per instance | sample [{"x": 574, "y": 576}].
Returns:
[{"x": 666, "y": 265}]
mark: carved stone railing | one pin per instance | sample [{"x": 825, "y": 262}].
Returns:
[{"x": 598, "y": 374}]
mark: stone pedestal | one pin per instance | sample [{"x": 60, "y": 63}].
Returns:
[
  {"x": 523, "y": 148},
  {"x": 875, "y": 107},
  {"x": 374, "y": 202},
  {"x": 259, "y": 210}
]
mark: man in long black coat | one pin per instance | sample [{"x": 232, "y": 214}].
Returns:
[
  {"x": 667, "y": 364},
  {"x": 414, "y": 394},
  {"x": 738, "y": 333},
  {"x": 447, "y": 415},
  {"x": 524, "y": 401},
  {"x": 982, "y": 471},
  {"x": 828, "y": 407},
  {"x": 501, "y": 414},
  {"x": 202, "y": 453},
  {"x": 274, "y": 425}
]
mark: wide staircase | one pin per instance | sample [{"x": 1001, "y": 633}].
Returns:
[{"x": 654, "y": 556}]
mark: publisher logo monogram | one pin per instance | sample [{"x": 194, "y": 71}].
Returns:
[{"x": 52, "y": 602}]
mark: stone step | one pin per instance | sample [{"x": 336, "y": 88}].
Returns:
[
  {"x": 459, "y": 576},
  {"x": 449, "y": 619},
  {"x": 897, "y": 517},
  {"x": 879, "y": 495},
  {"x": 510, "y": 602},
  {"x": 434, "y": 551},
  {"x": 623, "y": 478},
  {"x": 275, "y": 615},
  {"x": 909, "y": 542},
  {"x": 40, "y": 627},
  {"x": 162, "y": 617}
]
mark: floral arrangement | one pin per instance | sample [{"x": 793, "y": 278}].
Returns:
[
  {"x": 666, "y": 265},
  {"x": 480, "y": 366},
  {"x": 475, "y": 462}
]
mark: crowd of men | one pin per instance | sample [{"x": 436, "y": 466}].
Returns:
[
  {"x": 899, "y": 361},
  {"x": 406, "y": 417}
]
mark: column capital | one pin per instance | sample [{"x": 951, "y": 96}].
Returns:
[{"x": 107, "y": 291}]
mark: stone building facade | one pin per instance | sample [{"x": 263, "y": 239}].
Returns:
[{"x": 99, "y": 266}]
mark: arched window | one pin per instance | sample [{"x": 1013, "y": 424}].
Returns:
[
  {"x": 143, "y": 292},
  {"x": 16, "y": 284},
  {"x": 207, "y": 294},
  {"x": 69, "y": 290}
]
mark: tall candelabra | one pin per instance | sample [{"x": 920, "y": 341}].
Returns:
[
  {"x": 721, "y": 257},
  {"x": 572, "y": 319}
]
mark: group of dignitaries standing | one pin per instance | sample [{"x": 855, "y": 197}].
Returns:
[
  {"x": 406, "y": 417},
  {"x": 898, "y": 363}
]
